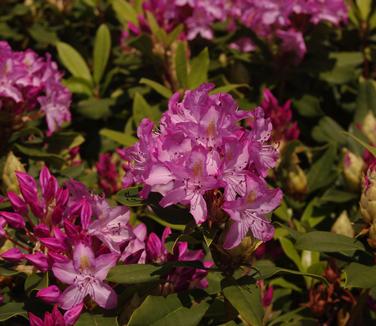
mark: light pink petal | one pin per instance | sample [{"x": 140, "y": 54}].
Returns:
[
  {"x": 173, "y": 197},
  {"x": 235, "y": 235},
  {"x": 103, "y": 264},
  {"x": 104, "y": 295},
  {"x": 198, "y": 208},
  {"x": 72, "y": 296},
  {"x": 65, "y": 272},
  {"x": 83, "y": 254}
]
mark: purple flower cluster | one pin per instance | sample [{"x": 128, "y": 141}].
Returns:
[
  {"x": 79, "y": 237},
  {"x": 200, "y": 148},
  {"x": 29, "y": 83},
  {"x": 286, "y": 21},
  {"x": 283, "y": 20}
]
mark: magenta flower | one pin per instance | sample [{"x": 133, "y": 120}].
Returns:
[
  {"x": 248, "y": 212},
  {"x": 55, "y": 318},
  {"x": 284, "y": 128},
  {"x": 107, "y": 174},
  {"x": 85, "y": 275},
  {"x": 180, "y": 278}
]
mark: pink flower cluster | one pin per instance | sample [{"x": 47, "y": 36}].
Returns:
[
  {"x": 30, "y": 83},
  {"x": 283, "y": 20},
  {"x": 79, "y": 237},
  {"x": 287, "y": 21},
  {"x": 200, "y": 148}
]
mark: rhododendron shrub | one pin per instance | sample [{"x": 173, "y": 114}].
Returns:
[{"x": 187, "y": 162}]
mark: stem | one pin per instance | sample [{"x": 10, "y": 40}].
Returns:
[{"x": 8, "y": 236}]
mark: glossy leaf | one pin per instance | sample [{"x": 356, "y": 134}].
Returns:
[{"x": 102, "y": 50}]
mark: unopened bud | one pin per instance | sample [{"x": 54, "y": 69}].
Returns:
[
  {"x": 369, "y": 127},
  {"x": 11, "y": 165},
  {"x": 343, "y": 225},
  {"x": 296, "y": 181},
  {"x": 372, "y": 236},
  {"x": 353, "y": 166},
  {"x": 368, "y": 198},
  {"x": 244, "y": 251}
]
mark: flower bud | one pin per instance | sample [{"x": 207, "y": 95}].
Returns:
[
  {"x": 39, "y": 260},
  {"x": 369, "y": 127},
  {"x": 13, "y": 255},
  {"x": 244, "y": 251},
  {"x": 343, "y": 225},
  {"x": 353, "y": 166},
  {"x": 372, "y": 236},
  {"x": 296, "y": 181},
  {"x": 368, "y": 198},
  {"x": 11, "y": 165},
  {"x": 13, "y": 219},
  {"x": 49, "y": 294}
]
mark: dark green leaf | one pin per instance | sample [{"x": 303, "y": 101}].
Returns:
[
  {"x": 12, "y": 309},
  {"x": 119, "y": 137},
  {"x": 167, "y": 311},
  {"x": 102, "y": 49},
  {"x": 247, "y": 301},
  {"x": 328, "y": 242},
  {"x": 181, "y": 65},
  {"x": 133, "y": 273},
  {"x": 360, "y": 276},
  {"x": 94, "y": 108},
  {"x": 164, "y": 91},
  {"x": 87, "y": 319},
  {"x": 129, "y": 197}
]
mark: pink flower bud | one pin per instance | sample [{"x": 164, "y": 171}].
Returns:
[
  {"x": 34, "y": 320},
  {"x": 17, "y": 202},
  {"x": 49, "y": 294},
  {"x": 39, "y": 260},
  {"x": 14, "y": 219},
  {"x": 13, "y": 255},
  {"x": 42, "y": 231},
  {"x": 53, "y": 244}
]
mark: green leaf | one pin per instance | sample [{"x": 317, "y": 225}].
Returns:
[
  {"x": 199, "y": 69},
  {"x": 133, "y": 273},
  {"x": 291, "y": 252},
  {"x": 370, "y": 148},
  {"x": 73, "y": 61},
  {"x": 228, "y": 88},
  {"x": 129, "y": 197},
  {"x": 12, "y": 309},
  {"x": 309, "y": 106},
  {"x": 167, "y": 311},
  {"x": 360, "y": 276},
  {"x": 43, "y": 35},
  {"x": 247, "y": 301},
  {"x": 102, "y": 49},
  {"x": 328, "y": 130},
  {"x": 157, "y": 31},
  {"x": 94, "y": 108},
  {"x": 265, "y": 269},
  {"x": 321, "y": 173},
  {"x": 39, "y": 154},
  {"x": 365, "y": 7},
  {"x": 87, "y": 319},
  {"x": 35, "y": 282},
  {"x": 141, "y": 110},
  {"x": 366, "y": 99},
  {"x": 181, "y": 65},
  {"x": 328, "y": 242},
  {"x": 125, "y": 12},
  {"x": 78, "y": 86},
  {"x": 159, "y": 88},
  {"x": 337, "y": 196},
  {"x": 119, "y": 137},
  {"x": 344, "y": 69}
]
